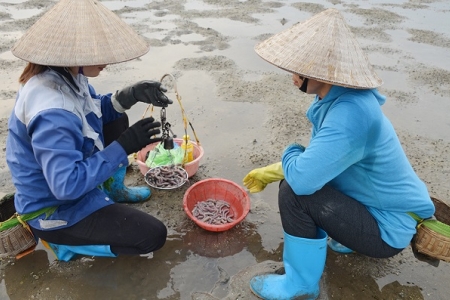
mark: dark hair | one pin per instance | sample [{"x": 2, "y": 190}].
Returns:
[
  {"x": 30, "y": 70},
  {"x": 33, "y": 69}
]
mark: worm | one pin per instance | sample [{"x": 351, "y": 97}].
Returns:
[
  {"x": 166, "y": 176},
  {"x": 215, "y": 212}
]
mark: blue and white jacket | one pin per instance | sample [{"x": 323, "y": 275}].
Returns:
[
  {"x": 55, "y": 149},
  {"x": 355, "y": 149}
]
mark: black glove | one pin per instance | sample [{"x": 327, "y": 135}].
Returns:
[
  {"x": 145, "y": 91},
  {"x": 139, "y": 135}
]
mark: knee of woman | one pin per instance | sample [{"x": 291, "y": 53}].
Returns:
[
  {"x": 286, "y": 196},
  {"x": 157, "y": 240},
  {"x": 162, "y": 237}
]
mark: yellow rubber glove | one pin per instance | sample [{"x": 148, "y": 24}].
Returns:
[{"x": 257, "y": 179}]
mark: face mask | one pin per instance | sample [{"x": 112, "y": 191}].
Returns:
[{"x": 304, "y": 86}]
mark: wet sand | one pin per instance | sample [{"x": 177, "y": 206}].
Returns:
[{"x": 245, "y": 112}]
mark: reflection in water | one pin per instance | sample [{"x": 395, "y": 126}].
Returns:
[
  {"x": 196, "y": 260},
  {"x": 351, "y": 277},
  {"x": 215, "y": 244},
  {"x": 23, "y": 276}
]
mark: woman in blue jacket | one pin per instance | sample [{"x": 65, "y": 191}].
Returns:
[
  {"x": 60, "y": 162},
  {"x": 353, "y": 183}
]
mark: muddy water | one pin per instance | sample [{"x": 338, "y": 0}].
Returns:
[{"x": 245, "y": 112}]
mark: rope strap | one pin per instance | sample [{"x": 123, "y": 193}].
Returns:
[
  {"x": 434, "y": 225},
  {"x": 17, "y": 219}
]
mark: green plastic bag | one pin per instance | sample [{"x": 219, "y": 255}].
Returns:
[{"x": 163, "y": 157}]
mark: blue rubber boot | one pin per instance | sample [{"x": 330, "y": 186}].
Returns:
[
  {"x": 66, "y": 253},
  {"x": 118, "y": 192},
  {"x": 304, "y": 261},
  {"x": 338, "y": 247}
]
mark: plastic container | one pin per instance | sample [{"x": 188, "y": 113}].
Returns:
[
  {"x": 188, "y": 149},
  {"x": 191, "y": 168},
  {"x": 217, "y": 189}
]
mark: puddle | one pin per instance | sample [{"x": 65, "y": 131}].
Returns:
[
  {"x": 199, "y": 5},
  {"x": 244, "y": 111}
]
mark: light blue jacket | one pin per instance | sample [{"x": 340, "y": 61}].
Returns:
[
  {"x": 53, "y": 149},
  {"x": 355, "y": 149}
]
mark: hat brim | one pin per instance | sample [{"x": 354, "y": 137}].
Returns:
[
  {"x": 79, "y": 33},
  {"x": 322, "y": 48}
]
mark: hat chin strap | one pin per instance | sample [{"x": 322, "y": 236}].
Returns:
[
  {"x": 80, "y": 71},
  {"x": 304, "y": 86}
]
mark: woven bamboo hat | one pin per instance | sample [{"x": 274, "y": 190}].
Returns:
[
  {"x": 79, "y": 33},
  {"x": 321, "y": 48}
]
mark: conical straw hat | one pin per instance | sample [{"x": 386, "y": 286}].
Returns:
[
  {"x": 322, "y": 48},
  {"x": 79, "y": 33}
]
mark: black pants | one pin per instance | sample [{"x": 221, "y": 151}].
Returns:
[
  {"x": 126, "y": 229},
  {"x": 344, "y": 219}
]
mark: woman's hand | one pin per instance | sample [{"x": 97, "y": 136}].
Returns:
[
  {"x": 257, "y": 179},
  {"x": 146, "y": 91},
  {"x": 139, "y": 135}
]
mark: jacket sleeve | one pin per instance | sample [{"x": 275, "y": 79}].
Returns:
[
  {"x": 336, "y": 145},
  {"x": 108, "y": 111},
  {"x": 62, "y": 152}
]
